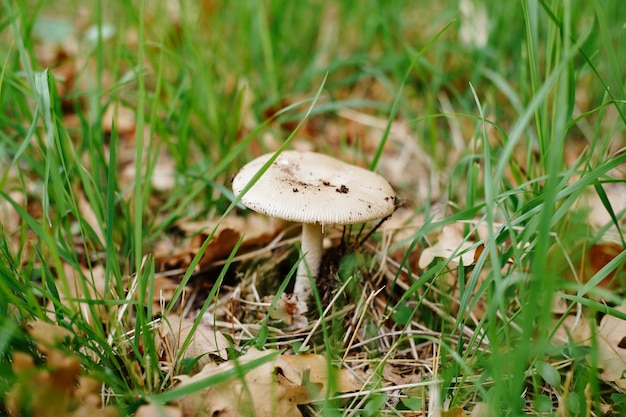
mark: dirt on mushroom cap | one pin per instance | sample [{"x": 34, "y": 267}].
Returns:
[{"x": 309, "y": 187}]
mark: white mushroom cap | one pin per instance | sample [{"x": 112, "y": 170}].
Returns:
[
  {"x": 309, "y": 187},
  {"x": 314, "y": 189}
]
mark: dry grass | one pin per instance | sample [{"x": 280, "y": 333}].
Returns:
[{"x": 494, "y": 289}]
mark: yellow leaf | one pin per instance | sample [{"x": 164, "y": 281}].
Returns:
[{"x": 454, "y": 412}]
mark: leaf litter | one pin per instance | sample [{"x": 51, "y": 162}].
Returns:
[
  {"x": 57, "y": 387},
  {"x": 293, "y": 380},
  {"x": 275, "y": 388},
  {"x": 180, "y": 338},
  {"x": 612, "y": 349},
  {"x": 291, "y": 384},
  {"x": 289, "y": 380}
]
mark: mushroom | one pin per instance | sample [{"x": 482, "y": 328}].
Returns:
[{"x": 315, "y": 190}]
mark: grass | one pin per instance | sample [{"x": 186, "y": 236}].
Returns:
[{"x": 507, "y": 139}]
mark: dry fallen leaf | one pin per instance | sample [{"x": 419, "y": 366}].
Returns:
[
  {"x": 47, "y": 335},
  {"x": 275, "y": 388},
  {"x": 79, "y": 286},
  {"x": 121, "y": 116},
  {"x": 10, "y": 219},
  {"x": 256, "y": 230},
  {"x": 581, "y": 262},
  {"x": 316, "y": 369},
  {"x": 268, "y": 390},
  {"x": 450, "y": 242},
  {"x": 597, "y": 257},
  {"x": 612, "y": 348},
  {"x": 220, "y": 246},
  {"x": 598, "y": 214},
  {"x": 289, "y": 310},
  {"x": 573, "y": 328},
  {"x": 206, "y": 341},
  {"x": 55, "y": 389},
  {"x": 88, "y": 215},
  {"x": 611, "y": 339},
  {"x": 163, "y": 289},
  {"x": 153, "y": 410},
  {"x": 482, "y": 410},
  {"x": 454, "y": 412},
  {"x": 164, "y": 175},
  {"x": 393, "y": 374},
  {"x": 402, "y": 226}
]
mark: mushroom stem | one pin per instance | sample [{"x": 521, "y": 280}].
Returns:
[{"x": 312, "y": 238}]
